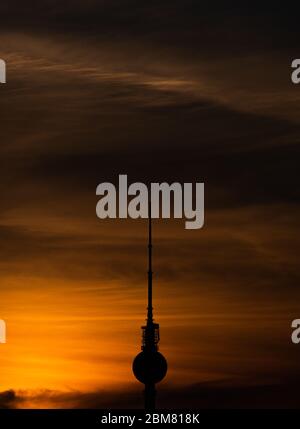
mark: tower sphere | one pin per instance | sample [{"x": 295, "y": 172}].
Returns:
[{"x": 150, "y": 367}]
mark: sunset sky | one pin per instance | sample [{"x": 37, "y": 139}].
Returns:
[{"x": 160, "y": 91}]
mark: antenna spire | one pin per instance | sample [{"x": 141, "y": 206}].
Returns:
[{"x": 150, "y": 272}]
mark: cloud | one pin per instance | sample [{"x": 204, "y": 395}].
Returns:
[
  {"x": 219, "y": 394},
  {"x": 8, "y": 399}
]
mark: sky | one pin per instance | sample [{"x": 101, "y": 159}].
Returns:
[{"x": 182, "y": 91}]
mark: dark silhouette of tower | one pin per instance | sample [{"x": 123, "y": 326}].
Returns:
[{"x": 150, "y": 366}]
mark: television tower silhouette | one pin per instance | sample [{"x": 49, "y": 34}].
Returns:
[{"x": 150, "y": 366}]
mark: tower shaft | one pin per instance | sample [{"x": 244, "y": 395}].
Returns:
[{"x": 149, "y": 396}]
